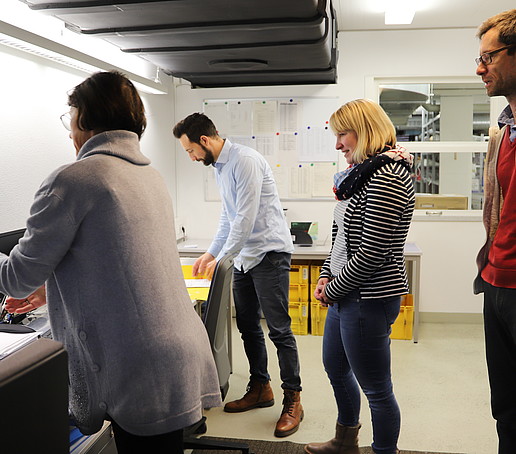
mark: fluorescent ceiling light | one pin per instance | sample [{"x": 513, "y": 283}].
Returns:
[
  {"x": 13, "y": 36},
  {"x": 45, "y": 53},
  {"x": 399, "y": 12}
]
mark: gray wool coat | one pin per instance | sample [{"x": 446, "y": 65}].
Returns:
[{"x": 101, "y": 236}]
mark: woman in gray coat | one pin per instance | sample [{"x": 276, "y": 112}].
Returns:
[{"x": 100, "y": 250}]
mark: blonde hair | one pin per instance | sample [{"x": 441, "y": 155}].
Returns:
[{"x": 369, "y": 122}]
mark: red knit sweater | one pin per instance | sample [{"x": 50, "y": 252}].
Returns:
[{"x": 501, "y": 268}]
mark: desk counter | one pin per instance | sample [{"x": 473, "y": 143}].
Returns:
[{"x": 412, "y": 253}]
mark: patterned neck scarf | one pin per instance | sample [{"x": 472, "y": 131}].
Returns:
[{"x": 351, "y": 180}]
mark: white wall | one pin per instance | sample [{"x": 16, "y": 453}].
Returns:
[
  {"x": 449, "y": 247},
  {"x": 33, "y": 142}
]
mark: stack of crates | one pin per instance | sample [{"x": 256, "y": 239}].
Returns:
[
  {"x": 402, "y": 327},
  {"x": 317, "y": 312},
  {"x": 298, "y": 300}
]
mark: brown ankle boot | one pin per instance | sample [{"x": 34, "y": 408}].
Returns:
[
  {"x": 292, "y": 414},
  {"x": 345, "y": 442},
  {"x": 258, "y": 395}
]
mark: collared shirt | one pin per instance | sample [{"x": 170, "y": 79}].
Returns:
[
  {"x": 507, "y": 118},
  {"x": 252, "y": 222}
]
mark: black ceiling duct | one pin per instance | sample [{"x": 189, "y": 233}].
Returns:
[{"x": 215, "y": 43}]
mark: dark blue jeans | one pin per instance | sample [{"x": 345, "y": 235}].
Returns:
[
  {"x": 266, "y": 286},
  {"x": 500, "y": 333},
  {"x": 356, "y": 352}
]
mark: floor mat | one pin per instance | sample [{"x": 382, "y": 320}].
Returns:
[{"x": 283, "y": 447}]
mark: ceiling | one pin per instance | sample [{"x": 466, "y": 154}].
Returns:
[
  {"x": 430, "y": 14},
  {"x": 214, "y": 43},
  {"x": 221, "y": 43}
]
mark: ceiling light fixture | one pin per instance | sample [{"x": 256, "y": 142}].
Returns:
[
  {"x": 399, "y": 12},
  {"x": 26, "y": 41}
]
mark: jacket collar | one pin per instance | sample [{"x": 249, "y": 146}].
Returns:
[{"x": 122, "y": 144}]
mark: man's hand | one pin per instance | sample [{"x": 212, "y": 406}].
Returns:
[
  {"x": 22, "y": 306},
  {"x": 204, "y": 265}
]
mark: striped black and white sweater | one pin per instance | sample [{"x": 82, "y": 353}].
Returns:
[{"x": 376, "y": 224}]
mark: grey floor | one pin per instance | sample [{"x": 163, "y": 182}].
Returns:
[{"x": 440, "y": 383}]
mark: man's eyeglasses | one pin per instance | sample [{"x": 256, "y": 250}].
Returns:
[
  {"x": 66, "y": 119},
  {"x": 487, "y": 57}
]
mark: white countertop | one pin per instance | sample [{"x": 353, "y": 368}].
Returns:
[{"x": 197, "y": 247}]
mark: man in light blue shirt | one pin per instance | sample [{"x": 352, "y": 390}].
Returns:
[{"x": 252, "y": 225}]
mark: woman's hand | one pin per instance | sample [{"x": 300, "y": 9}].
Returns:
[
  {"x": 22, "y": 306},
  {"x": 319, "y": 292}
]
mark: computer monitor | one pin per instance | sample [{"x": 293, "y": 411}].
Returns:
[
  {"x": 34, "y": 399},
  {"x": 10, "y": 239},
  {"x": 7, "y": 241}
]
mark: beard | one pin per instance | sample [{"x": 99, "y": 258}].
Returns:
[{"x": 208, "y": 157}]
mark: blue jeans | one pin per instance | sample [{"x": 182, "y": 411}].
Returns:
[
  {"x": 356, "y": 352},
  {"x": 500, "y": 333},
  {"x": 266, "y": 286}
]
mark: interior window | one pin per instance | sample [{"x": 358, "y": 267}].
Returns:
[
  {"x": 442, "y": 112},
  {"x": 437, "y": 111}
]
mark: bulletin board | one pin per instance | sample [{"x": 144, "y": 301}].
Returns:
[{"x": 292, "y": 134}]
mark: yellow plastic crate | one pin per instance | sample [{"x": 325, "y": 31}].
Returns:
[
  {"x": 298, "y": 311},
  {"x": 196, "y": 293},
  {"x": 315, "y": 271},
  {"x": 187, "y": 272},
  {"x": 298, "y": 292},
  {"x": 317, "y": 317},
  {"x": 299, "y": 274},
  {"x": 402, "y": 327},
  {"x": 312, "y": 290}
]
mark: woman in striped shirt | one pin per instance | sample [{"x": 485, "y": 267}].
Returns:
[{"x": 364, "y": 276}]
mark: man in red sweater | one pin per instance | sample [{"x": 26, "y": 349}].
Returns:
[{"x": 497, "y": 258}]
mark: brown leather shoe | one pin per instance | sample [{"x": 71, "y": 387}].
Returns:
[
  {"x": 345, "y": 442},
  {"x": 258, "y": 395},
  {"x": 292, "y": 414}
]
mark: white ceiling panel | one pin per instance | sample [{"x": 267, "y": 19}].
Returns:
[{"x": 431, "y": 14}]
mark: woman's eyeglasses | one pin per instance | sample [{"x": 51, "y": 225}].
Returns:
[{"x": 66, "y": 119}]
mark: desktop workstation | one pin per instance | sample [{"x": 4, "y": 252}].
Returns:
[
  {"x": 34, "y": 374},
  {"x": 30, "y": 360}
]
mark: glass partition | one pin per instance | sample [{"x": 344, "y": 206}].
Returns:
[
  {"x": 437, "y": 111},
  {"x": 444, "y": 122},
  {"x": 449, "y": 180}
]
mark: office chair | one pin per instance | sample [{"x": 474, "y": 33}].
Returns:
[{"x": 215, "y": 318}]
